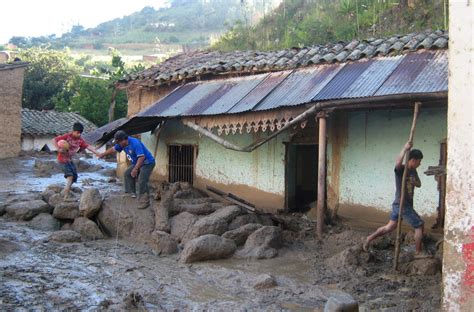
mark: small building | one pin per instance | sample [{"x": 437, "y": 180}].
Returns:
[
  {"x": 11, "y": 90},
  {"x": 264, "y": 125},
  {"x": 38, "y": 128}
]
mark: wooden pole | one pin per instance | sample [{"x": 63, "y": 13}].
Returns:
[
  {"x": 321, "y": 175},
  {"x": 402, "y": 191}
]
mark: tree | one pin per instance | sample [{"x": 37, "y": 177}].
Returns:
[
  {"x": 46, "y": 76},
  {"x": 90, "y": 97},
  {"x": 19, "y": 41}
]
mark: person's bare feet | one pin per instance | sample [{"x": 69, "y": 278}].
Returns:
[{"x": 365, "y": 245}]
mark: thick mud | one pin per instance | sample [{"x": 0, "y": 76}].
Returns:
[{"x": 111, "y": 274}]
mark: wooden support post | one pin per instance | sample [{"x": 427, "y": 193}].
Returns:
[
  {"x": 403, "y": 186},
  {"x": 321, "y": 174}
]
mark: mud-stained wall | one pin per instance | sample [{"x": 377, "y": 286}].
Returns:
[
  {"x": 458, "y": 255},
  {"x": 141, "y": 97},
  {"x": 257, "y": 177},
  {"x": 361, "y": 159},
  {"x": 11, "y": 85}
]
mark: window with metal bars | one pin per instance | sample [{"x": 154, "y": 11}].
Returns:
[{"x": 181, "y": 163}]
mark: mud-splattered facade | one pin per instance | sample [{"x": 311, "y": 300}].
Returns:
[
  {"x": 368, "y": 101},
  {"x": 11, "y": 90},
  {"x": 458, "y": 256}
]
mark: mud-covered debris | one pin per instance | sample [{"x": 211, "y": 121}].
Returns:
[
  {"x": 27, "y": 210},
  {"x": 423, "y": 267},
  {"x": 162, "y": 243},
  {"x": 181, "y": 224},
  {"x": 348, "y": 259},
  {"x": 87, "y": 228},
  {"x": 240, "y": 235},
  {"x": 341, "y": 302},
  {"x": 265, "y": 281},
  {"x": 134, "y": 302},
  {"x": 45, "y": 222},
  {"x": 67, "y": 236},
  {"x": 120, "y": 217},
  {"x": 262, "y": 244},
  {"x": 90, "y": 203},
  {"x": 207, "y": 247}
]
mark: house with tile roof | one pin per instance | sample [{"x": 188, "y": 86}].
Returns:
[
  {"x": 282, "y": 130},
  {"x": 11, "y": 90},
  {"x": 38, "y": 128}
]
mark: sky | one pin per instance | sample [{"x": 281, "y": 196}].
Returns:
[{"x": 33, "y": 18}]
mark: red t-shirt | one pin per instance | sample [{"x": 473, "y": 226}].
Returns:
[{"x": 75, "y": 145}]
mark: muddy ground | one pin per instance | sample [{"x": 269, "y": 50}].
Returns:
[{"x": 112, "y": 274}]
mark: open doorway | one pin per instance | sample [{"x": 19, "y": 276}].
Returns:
[{"x": 301, "y": 176}]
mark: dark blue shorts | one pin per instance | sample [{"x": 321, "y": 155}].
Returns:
[
  {"x": 70, "y": 171},
  {"x": 409, "y": 215}
]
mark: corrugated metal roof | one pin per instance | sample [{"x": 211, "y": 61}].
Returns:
[
  {"x": 301, "y": 86},
  {"x": 266, "y": 87},
  {"x": 422, "y": 72}
]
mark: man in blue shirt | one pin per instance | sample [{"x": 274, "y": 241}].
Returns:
[{"x": 142, "y": 164}]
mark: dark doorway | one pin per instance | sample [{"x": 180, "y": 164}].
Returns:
[
  {"x": 181, "y": 163},
  {"x": 301, "y": 176}
]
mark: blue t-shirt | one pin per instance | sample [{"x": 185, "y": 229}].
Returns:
[{"x": 135, "y": 149}]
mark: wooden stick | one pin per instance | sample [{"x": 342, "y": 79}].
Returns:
[
  {"x": 402, "y": 195},
  {"x": 321, "y": 175}
]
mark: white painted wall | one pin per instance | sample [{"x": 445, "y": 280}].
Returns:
[
  {"x": 374, "y": 141},
  {"x": 30, "y": 143},
  {"x": 458, "y": 257}
]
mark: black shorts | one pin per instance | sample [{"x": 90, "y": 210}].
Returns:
[{"x": 70, "y": 171}]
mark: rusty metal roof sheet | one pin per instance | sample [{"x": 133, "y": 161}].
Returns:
[
  {"x": 420, "y": 72},
  {"x": 300, "y": 87}
]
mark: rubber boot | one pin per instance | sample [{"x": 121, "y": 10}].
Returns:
[{"x": 143, "y": 201}]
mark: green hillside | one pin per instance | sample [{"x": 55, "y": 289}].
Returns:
[
  {"x": 307, "y": 22},
  {"x": 185, "y": 22}
]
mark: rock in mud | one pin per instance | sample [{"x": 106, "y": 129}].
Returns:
[
  {"x": 46, "y": 168},
  {"x": 22, "y": 197},
  {"x": 27, "y": 210},
  {"x": 181, "y": 225},
  {"x": 121, "y": 217},
  {"x": 66, "y": 210},
  {"x": 207, "y": 247},
  {"x": 87, "y": 228},
  {"x": 424, "y": 267},
  {"x": 243, "y": 220},
  {"x": 7, "y": 247},
  {"x": 240, "y": 235},
  {"x": 265, "y": 281},
  {"x": 198, "y": 209},
  {"x": 163, "y": 243},
  {"x": 90, "y": 203},
  {"x": 45, "y": 222},
  {"x": 215, "y": 223},
  {"x": 262, "y": 244},
  {"x": 67, "y": 236},
  {"x": 204, "y": 226},
  {"x": 349, "y": 258},
  {"x": 341, "y": 302}
]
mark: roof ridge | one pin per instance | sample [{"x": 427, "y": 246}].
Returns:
[{"x": 189, "y": 65}]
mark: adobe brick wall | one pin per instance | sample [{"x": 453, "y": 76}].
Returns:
[{"x": 11, "y": 89}]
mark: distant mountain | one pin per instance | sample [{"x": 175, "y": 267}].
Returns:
[{"x": 183, "y": 22}]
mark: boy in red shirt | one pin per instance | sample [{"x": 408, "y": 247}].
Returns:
[{"x": 76, "y": 144}]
